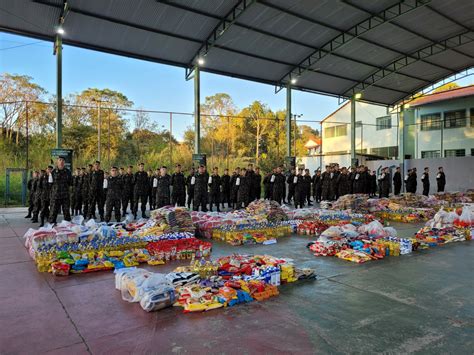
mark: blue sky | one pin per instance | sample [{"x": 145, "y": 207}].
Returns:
[{"x": 149, "y": 85}]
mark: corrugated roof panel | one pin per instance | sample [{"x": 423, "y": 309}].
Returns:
[
  {"x": 217, "y": 7},
  {"x": 393, "y": 37},
  {"x": 222, "y": 60},
  {"x": 262, "y": 45},
  {"x": 381, "y": 95},
  {"x": 319, "y": 82},
  {"x": 461, "y": 11},
  {"x": 367, "y": 52},
  {"x": 400, "y": 82},
  {"x": 341, "y": 66},
  {"x": 451, "y": 59},
  {"x": 274, "y": 21},
  {"x": 424, "y": 70}
]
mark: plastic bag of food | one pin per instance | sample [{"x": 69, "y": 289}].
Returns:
[
  {"x": 465, "y": 219},
  {"x": 77, "y": 219},
  {"x": 373, "y": 228},
  {"x": 390, "y": 232}
]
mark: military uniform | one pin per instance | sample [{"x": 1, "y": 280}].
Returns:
[
  {"x": 225, "y": 182},
  {"x": 299, "y": 187},
  {"x": 96, "y": 193},
  {"x": 384, "y": 185},
  {"x": 113, "y": 198},
  {"x": 257, "y": 186},
  {"x": 359, "y": 184},
  {"x": 200, "y": 191},
  {"x": 178, "y": 196},
  {"x": 343, "y": 184},
  {"x": 317, "y": 191},
  {"x": 325, "y": 182},
  {"x": 77, "y": 194},
  {"x": 85, "y": 186},
  {"x": 425, "y": 179},
  {"x": 190, "y": 182},
  {"x": 267, "y": 192},
  {"x": 278, "y": 192},
  {"x": 234, "y": 189},
  {"x": 397, "y": 182},
  {"x": 412, "y": 182},
  {"x": 140, "y": 192},
  {"x": 441, "y": 181},
  {"x": 127, "y": 194},
  {"x": 333, "y": 186},
  {"x": 153, "y": 182},
  {"x": 307, "y": 185},
  {"x": 214, "y": 191},
  {"x": 243, "y": 194},
  {"x": 44, "y": 190},
  {"x": 291, "y": 187},
  {"x": 60, "y": 199},
  {"x": 31, "y": 197},
  {"x": 36, "y": 198},
  {"x": 163, "y": 191}
]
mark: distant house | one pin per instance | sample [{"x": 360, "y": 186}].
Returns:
[{"x": 313, "y": 145}]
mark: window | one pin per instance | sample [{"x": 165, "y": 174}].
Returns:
[
  {"x": 454, "y": 153},
  {"x": 430, "y": 154},
  {"x": 431, "y": 122},
  {"x": 341, "y": 130},
  {"x": 387, "y": 152},
  {"x": 383, "y": 122},
  {"x": 454, "y": 119},
  {"x": 335, "y": 131},
  {"x": 329, "y": 132}
]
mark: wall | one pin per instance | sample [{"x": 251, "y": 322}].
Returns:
[
  {"x": 453, "y": 138},
  {"x": 367, "y": 136},
  {"x": 459, "y": 176}
]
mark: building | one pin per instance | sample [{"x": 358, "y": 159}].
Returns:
[
  {"x": 441, "y": 125},
  {"x": 436, "y": 125}
]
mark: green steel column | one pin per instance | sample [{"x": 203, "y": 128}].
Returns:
[
  {"x": 288, "y": 121},
  {"x": 59, "y": 91},
  {"x": 401, "y": 143},
  {"x": 197, "y": 111},
  {"x": 353, "y": 130},
  {"x": 441, "y": 135}
]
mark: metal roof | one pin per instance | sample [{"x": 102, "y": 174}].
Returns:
[{"x": 386, "y": 49}]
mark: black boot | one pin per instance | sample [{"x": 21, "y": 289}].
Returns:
[
  {"x": 42, "y": 222},
  {"x": 28, "y": 215}
]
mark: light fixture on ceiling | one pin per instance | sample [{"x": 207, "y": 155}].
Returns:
[
  {"x": 200, "y": 61},
  {"x": 357, "y": 96},
  {"x": 60, "y": 30}
]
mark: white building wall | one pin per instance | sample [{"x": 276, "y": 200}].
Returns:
[
  {"x": 367, "y": 136},
  {"x": 453, "y": 138}
]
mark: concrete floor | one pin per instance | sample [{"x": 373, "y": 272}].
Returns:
[{"x": 421, "y": 303}]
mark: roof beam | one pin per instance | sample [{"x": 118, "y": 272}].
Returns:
[
  {"x": 356, "y": 31},
  {"x": 449, "y": 18},
  {"x": 282, "y": 38},
  {"x": 410, "y": 30},
  {"x": 219, "y": 30},
  {"x": 428, "y": 51}
]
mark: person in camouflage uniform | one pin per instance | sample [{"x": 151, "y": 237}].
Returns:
[
  {"x": 114, "y": 195},
  {"x": 140, "y": 192},
  {"x": 225, "y": 181},
  {"x": 163, "y": 189},
  {"x": 31, "y": 193},
  {"x": 96, "y": 191},
  {"x": 291, "y": 186},
  {"x": 178, "y": 181},
  {"x": 200, "y": 189},
  {"x": 344, "y": 182},
  {"x": 37, "y": 196},
  {"x": 44, "y": 187},
  {"x": 60, "y": 199},
  {"x": 190, "y": 182},
  {"x": 214, "y": 183},
  {"x": 85, "y": 181},
  {"x": 127, "y": 195},
  {"x": 244, "y": 184}
]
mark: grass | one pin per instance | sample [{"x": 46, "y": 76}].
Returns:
[{"x": 15, "y": 190}]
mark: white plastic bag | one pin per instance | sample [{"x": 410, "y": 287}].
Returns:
[{"x": 78, "y": 219}]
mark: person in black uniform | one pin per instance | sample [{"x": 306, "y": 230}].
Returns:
[
  {"x": 190, "y": 181},
  {"x": 300, "y": 188},
  {"x": 257, "y": 184},
  {"x": 278, "y": 192},
  {"x": 407, "y": 181},
  {"x": 163, "y": 188},
  {"x": 31, "y": 193},
  {"x": 96, "y": 191},
  {"x": 397, "y": 182},
  {"x": 225, "y": 181},
  {"x": 140, "y": 190},
  {"x": 84, "y": 192},
  {"x": 60, "y": 198},
  {"x": 317, "y": 191},
  {"x": 291, "y": 186},
  {"x": 152, "y": 179},
  {"x": 178, "y": 181},
  {"x": 127, "y": 194},
  {"x": 372, "y": 183},
  {"x": 76, "y": 201},
  {"x": 267, "y": 188},
  {"x": 200, "y": 189},
  {"x": 45, "y": 184},
  {"x": 325, "y": 182},
  {"x": 333, "y": 184},
  {"x": 441, "y": 179},
  {"x": 384, "y": 183},
  {"x": 307, "y": 184},
  {"x": 114, "y": 195},
  {"x": 214, "y": 183},
  {"x": 425, "y": 179},
  {"x": 234, "y": 188}
]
